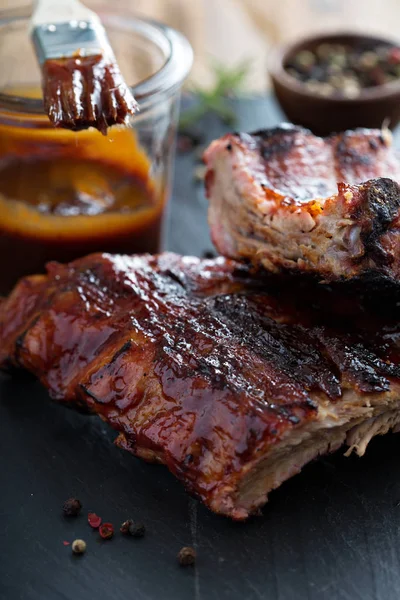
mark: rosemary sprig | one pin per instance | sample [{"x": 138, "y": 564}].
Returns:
[{"x": 228, "y": 83}]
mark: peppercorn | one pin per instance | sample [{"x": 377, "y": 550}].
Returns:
[
  {"x": 94, "y": 520},
  {"x": 125, "y": 526},
  {"x": 305, "y": 58},
  {"x": 137, "y": 530},
  {"x": 341, "y": 69},
  {"x": 394, "y": 56},
  {"x": 184, "y": 143},
  {"x": 78, "y": 546},
  {"x": 72, "y": 507},
  {"x": 209, "y": 254},
  {"x": 323, "y": 51},
  {"x": 368, "y": 60},
  {"x": 186, "y": 556},
  {"x": 188, "y": 140},
  {"x": 106, "y": 531}
]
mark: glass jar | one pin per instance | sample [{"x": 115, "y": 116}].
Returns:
[{"x": 65, "y": 194}]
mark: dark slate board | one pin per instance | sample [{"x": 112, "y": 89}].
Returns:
[{"x": 330, "y": 533}]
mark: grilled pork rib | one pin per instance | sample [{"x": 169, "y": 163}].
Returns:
[
  {"x": 234, "y": 383},
  {"x": 289, "y": 200}
]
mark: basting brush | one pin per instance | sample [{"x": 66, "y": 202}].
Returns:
[{"x": 82, "y": 84}]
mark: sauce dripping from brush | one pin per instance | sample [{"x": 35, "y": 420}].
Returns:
[{"x": 86, "y": 91}]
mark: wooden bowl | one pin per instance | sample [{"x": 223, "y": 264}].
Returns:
[{"x": 322, "y": 114}]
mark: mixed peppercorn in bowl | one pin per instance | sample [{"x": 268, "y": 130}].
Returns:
[
  {"x": 344, "y": 69},
  {"x": 338, "y": 81}
]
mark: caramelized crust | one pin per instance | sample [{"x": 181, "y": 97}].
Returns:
[
  {"x": 288, "y": 200},
  {"x": 232, "y": 381}
]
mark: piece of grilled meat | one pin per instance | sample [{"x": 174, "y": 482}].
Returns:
[
  {"x": 289, "y": 200},
  {"x": 234, "y": 383}
]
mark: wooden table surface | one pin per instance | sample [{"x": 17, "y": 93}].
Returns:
[{"x": 330, "y": 533}]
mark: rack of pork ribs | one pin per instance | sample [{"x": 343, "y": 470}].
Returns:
[{"x": 232, "y": 376}]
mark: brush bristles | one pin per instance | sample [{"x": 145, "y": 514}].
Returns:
[{"x": 86, "y": 91}]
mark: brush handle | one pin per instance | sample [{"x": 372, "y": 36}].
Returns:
[{"x": 60, "y": 11}]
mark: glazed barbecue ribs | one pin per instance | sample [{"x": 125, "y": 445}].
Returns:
[
  {"x": 232, "y": 382},
  {"x": 291, "y": 201}
]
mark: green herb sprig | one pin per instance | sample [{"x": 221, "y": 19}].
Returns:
[{"x": 229, "y": 83}]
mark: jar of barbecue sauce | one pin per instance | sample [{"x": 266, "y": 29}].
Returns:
[{"x": 65, "y": 194}]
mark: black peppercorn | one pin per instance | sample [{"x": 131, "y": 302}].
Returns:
[
  {"x": 186, "y": 556},
  {"x": 72, "y": 507},
  {"x": 137, "y": 530},
  {"x": 125, "y": 526},
  {"x": 208, "y": 254}
]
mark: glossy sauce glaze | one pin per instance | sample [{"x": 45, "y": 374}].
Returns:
[
  {"x": 198, "y": 364},
  {"x": 86, "y": 91},
  {"x": 63, "y": 196}
]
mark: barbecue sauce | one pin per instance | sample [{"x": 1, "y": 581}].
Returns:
[
  {"x": 64, "y": 195},
  {"x": 86, "y": 91}
]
